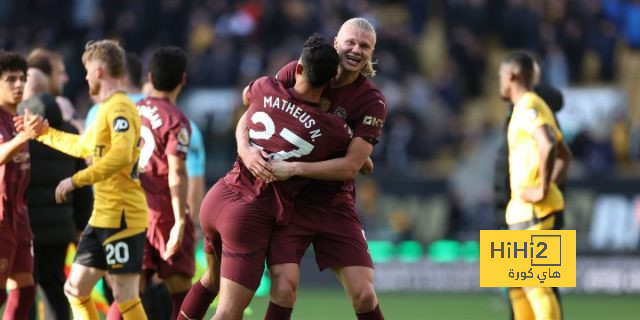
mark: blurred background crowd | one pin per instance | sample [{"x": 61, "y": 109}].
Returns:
[{"x": 437, "y": 66}]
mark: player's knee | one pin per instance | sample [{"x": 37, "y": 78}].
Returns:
[
  {"x": 70, "y": 290},
  {"x": 283, "y": 290},
  {"x": 210, "y": 281},
  {"x": 364, "y": 299}
]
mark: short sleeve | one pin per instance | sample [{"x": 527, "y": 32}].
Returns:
[
  {"x": 371, "y": 121},
  {"x": 254, "y": 86},
  {"x": 287, "y": 75},
  {"x": 178, "y": 139}
]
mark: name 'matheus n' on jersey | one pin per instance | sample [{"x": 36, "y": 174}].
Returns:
[{"x": 287, "y": 128}]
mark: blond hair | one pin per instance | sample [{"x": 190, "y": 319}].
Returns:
[
  {"x": 108, "y": 52},
  {"x": 364, "y": 25}
]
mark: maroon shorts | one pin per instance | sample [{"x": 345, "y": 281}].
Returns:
[
  {"x": 335, "y": 232},
  {"x": 237, "y": 232},
  {"x": 183, "y": 261},
  {"x": 16, "y": 250}
]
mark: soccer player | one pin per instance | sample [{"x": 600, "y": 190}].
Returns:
[
  {"x": 240, "y": 211},
  {"x": 114, "y": 240},
  {"x": 16, "y": 260},
  {"x": 165, "y": 137},
  {"x": 325, "y": 212},
  {"x": 535, "y": 142}
]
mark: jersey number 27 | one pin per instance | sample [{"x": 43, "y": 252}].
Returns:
[{"x": 303, "y": 146}]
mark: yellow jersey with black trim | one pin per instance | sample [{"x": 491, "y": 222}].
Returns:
[
  {"x": 113, "y": 143},
  {"x": 528, "y": 114}
]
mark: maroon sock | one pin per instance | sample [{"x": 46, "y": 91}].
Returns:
[
  {"x": 3, "y": 296},
  {"x": 114, "y": 312},
  {"x": 19, "y": 303},
  {"x": 196, "y": 302},
  {"x": 375, "y": 314},
  {"x": 276, "y": 312},
  {"x": 177, "y": 299}
]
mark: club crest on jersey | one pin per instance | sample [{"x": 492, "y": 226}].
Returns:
[
  {"x": 120, "y": 124},
  {"x": 341, "y": 113},
  {"x": 325, "y": 104}
]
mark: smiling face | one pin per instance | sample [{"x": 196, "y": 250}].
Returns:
[{"x": 355, "y": 47}]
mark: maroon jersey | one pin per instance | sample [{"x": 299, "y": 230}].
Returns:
[
  {"x": 165, "y": 131},
  {"x": 14, "y": 178},
  {"x": 363, "y": 107},
  {"x": 286, "y": 128}
]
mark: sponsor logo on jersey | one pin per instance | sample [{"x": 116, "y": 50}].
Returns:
[
  {"x": 341, "y": 113},
  {"x": 372, "y": 121},
  {"x": 120, "y": 124},
  {"x": 21, "y": 157}
]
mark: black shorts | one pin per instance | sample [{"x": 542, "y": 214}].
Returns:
[{"x": 117, "y": 250}]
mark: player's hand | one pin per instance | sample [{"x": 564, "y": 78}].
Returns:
[
  {"x": 367, "y": 167},
  {"x": 254, "y": 160},
  {"x": 176, "y": 235},
  {"x": 63, "y": 188},
  {"x": 282, "y": 170},
  {"x": 532, "y": 194}
]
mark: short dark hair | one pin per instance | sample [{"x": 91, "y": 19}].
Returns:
[
  {"x": 134, "y": 69},
  {"x": 320, "y": 60},
  {"x": 40, "y": 58},
  {"x": 11, "y": 61},
  {"x": 522, "y": 67},
  {"x": 167, "y": 66}
]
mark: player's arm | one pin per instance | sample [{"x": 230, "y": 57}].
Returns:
[
  {"x": 72, "y": 144},
  {"x": 562, "y": 161},
  {"x": 367, "y": 168},
  {"x": 344, "y": 168},
  {"x": 546, "y": 144},
  {"x": 8, "y": 149},
  {"x": 28, "y": 126},
  {"x": 196, "y": 163},
  {"x": 252, "y": 157},
  {"x": 178, "y": 186},
  {"x": 119, "y": 156}
]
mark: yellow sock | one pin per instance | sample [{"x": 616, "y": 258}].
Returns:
[
  {"x": 83, "y": 308},
  {"x": 521, "y": 307},
  {"x": 544, "y": 303},
  {"x": 132, "y": 310}
]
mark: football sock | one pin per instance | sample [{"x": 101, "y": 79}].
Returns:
[
  {"x": 19, "y": 303},
  {"x": 375, "y": 314},
  {"x": 276, "y": 312},
  {"x": 520, "y": 304},
  {"x": 177, "y": 299},
  {"x": 544, "y": 303},
  {"x": 132, "y": 310},
  {"x": 196, "y": 303},
  {"x": 83, "y": 308},
  {"x": 114, "y": 312}
]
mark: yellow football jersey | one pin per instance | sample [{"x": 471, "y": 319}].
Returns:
[
  {"x": 113, "y": 142},
  {"x": 528, "y": 114}
]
